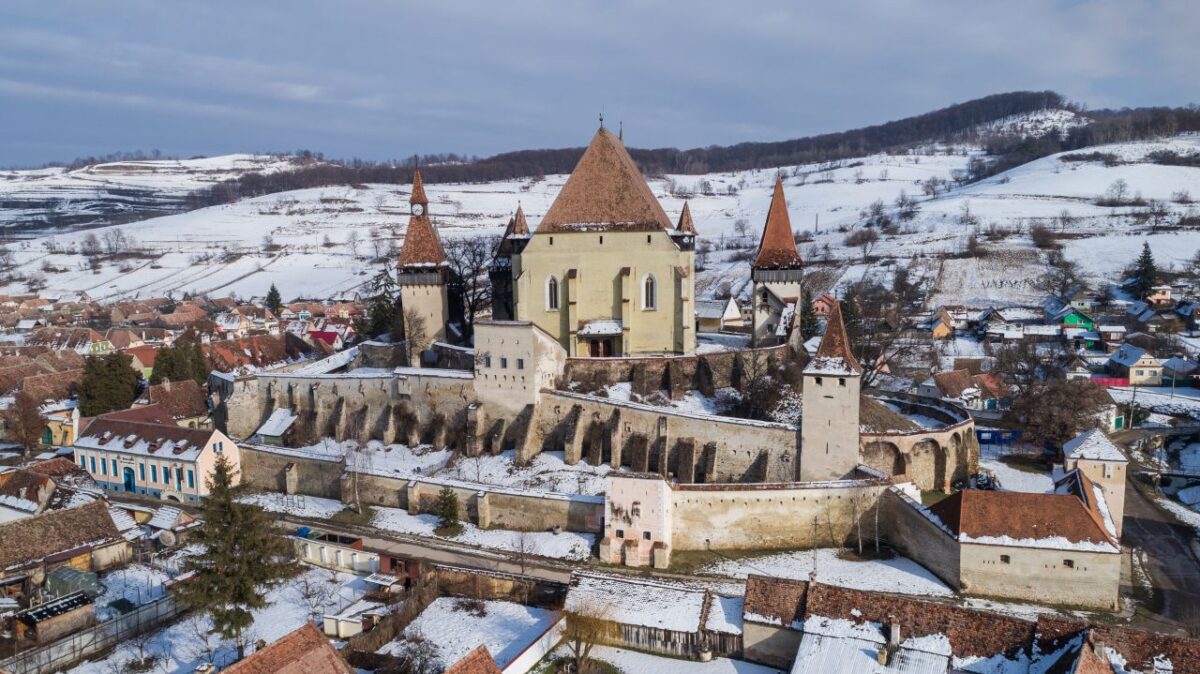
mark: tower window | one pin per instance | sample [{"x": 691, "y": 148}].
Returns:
[
  {"x": 601, "y": 239},
  {"x": 819, "y": 381},
  {"x": 552, "y": 241},
  {"x": 647, "y": 238},
  {"x": 1069, "y": 563},
  {"x": 649, "y": 292},
  {"x": 1005, "y": 559},
  {"x": 841, "y": 381},
  {"x": 551, "y": 294}
]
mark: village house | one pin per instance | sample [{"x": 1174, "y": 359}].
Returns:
[
  {"x": 185, "y": 401},
  {"x": 717, "y": 315},
  {"x": 1104, "y": 464},
  {"x": 1160, "y": 296},
  {"x": 142, "y": 359},
  {"x": 1180, "y": 371},
  {"x": 84, "y": 538},
  {"x": 302, "y": 651},
  {"x": 1137, "y": 365},
  {"x": 1113, "y": 336},
  {"x": 978, "y": 393},
  {"x": 154, "y": 458}
]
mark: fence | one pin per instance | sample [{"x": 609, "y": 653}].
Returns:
[{"x": 69, "y": 650}]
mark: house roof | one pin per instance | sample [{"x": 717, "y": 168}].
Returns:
[
  {"x": 775, "y": 601},
  {"x": 1127, "y": 355},
  {"x": 418, "y": 190},
  {"x": 181, "y": 399},
  {"x": 35, "y": 538},
  {"x": 303, "y": 651},
  {"x": 25, "y": 484},
  {"x": 606, "y": 191},
  {"x": 147, "y": 439},
  {"x": 952, "y": 384},
  {"x": 146, "y": 355},
  {"x": 777, "y": 247},
  {"x": 421, "y": 247},
  {"x": 685, "y": 224},
  {"x": 1093, "y": 444},
  {"x": 834, "y": 355},
  {"x": 478, "y": 661},
  {"x": 1059, "y": 521}
]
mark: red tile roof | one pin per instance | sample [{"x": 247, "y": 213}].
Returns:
[
  {"x": 835, "y": 343},
  {"x": 304, "y": 651},
  {"x": 520, "y": 224},
  {"x": 421, "y": 246},
  {"x": 1019, "y": 515},
  {"x": 606, "y": 191},
  {"x": 478, "y": 661},
  {"x": 777, "y": 247},
  {"x": 418, "y": 190},
  {"x": 686, "y": 226},
  {"x": 181, "y": 399}
]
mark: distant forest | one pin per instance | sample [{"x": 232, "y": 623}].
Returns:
[{"x": 953, "y": 122}]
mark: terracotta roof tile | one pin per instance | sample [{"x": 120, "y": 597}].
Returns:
[
  {"x": 421, "y": 246},
  {"x": 53, "y": 386},
  {"x": 418, "y": 190},
  {"x": 686, "y": 226},
  {"x": 304, "y": 651},
  {"x": 606, "y": 191},
  {"x": 182, "y": 399},
  {"x": 777, "y": 247},
  {"x": 1139, "y": 648},
  {"x": 978, "y": 514},
  {"x": 779, "y": 600},
  {"x": 34, "y": 538},
  {"x": 478, "y": 661},
  {"x": 520, "y": 224},
  {"x": 951, "y": 384},
  {"x": 834, "y": 351}
]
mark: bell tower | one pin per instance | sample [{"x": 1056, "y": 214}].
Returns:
[
  {"x": 423, "y": 275},
  {"x": 829, "y": 425}
]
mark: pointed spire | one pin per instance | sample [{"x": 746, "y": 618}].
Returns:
[
  {"x": 686, "y": 226},
  {"x": 520, "y": 226},
  {"x": 834, "y": 355},
  {"x": 606, "y": 191},
  {"x": 422, "y": 247},
  {"x": 418, "y": 190},
  {"x": 777, "y": 248}
]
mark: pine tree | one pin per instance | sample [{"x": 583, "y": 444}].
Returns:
[
  {"x": 381, "y": 306},
  {"x": 200, "y": 366},
  {"x": 1145, "y": 275},
  {"x": 241, "y": 556},
  {"x": 274, "y": 302},
  {"x": 109, "y": 383},
  {"x": 447, "y": 511},
  {"x": 809, "y": 323}
]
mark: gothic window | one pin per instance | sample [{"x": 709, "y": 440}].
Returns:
[
  {"x": 551, "y": 294},
  {"x": 649, "y": 292}
]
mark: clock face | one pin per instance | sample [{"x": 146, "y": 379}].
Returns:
[{"x": 418, "y": 209}]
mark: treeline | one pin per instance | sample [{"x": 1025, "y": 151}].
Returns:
[
  {"x": 1105, "y": 127},
  {"x": 944, "y": 123}
]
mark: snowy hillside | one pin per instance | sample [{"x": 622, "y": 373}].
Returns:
[
  {"x": 56, "y": 197},
  {"x": 319, "y": 242}
]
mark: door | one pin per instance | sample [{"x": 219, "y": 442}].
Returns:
[
  {"x": 607, "y": 349},
  {"x": 594, "y": 348},
  {"x": 129, "y": 483}
]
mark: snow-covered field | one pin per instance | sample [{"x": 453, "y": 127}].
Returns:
[
  {"x": 566, "y": 545},
  {"x": 325, "y": 240},
  {"x": 899, "y": 574},
  {"x": 136, "y": 583},
  {"x": 184, "y": 645},
  {"x": 505, "y": 629}
]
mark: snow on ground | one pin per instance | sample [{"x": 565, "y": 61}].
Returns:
[
  {"x": 1181, "y": 402},
  {"x": 136, "y": 583},
  {"x": 918, "y": 419},
  {"x": 505, "y": 629},
  {"x": 636, "y": 662},
  {"x": 313, "y": 507},
  {"x": 898, "y": 574},
  {"x": 692, "y": 402},
  {"x": 1013, "y": 479},
  {"x": 184, "y": 645},
  {"x": 566, "y": 545},
  {"x": 1004, "y": 277},
  {"x": 548, "y": 471}
]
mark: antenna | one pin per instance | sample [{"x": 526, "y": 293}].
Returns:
[
  {"x": 601, "y": 119},
  {"x": 621, "y": 130}
]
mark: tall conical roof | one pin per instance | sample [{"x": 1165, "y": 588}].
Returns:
[
  {"x": 686, "y": 226},
  {"x": 834, "y": 355},
  {"x": 520, "y": 226},
  {"x": 606, "y": 191},
  {"x": 777, "y": 248},
  {"x": 418, "y": 190},
  {"x": 422, "y": 247}
]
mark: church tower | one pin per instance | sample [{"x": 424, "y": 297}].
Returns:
[
  {"x": 423, "y": 274},
  {"x": 829, "y": 431},
  {"x": 777, "y": 273},
  {"x": 500, "y": 271}
]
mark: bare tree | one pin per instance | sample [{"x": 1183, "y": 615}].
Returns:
[
  {"x": 316, "y": 591},
  {"x": 864, "y": 239},
  {"x": 90, "y": 246},
  {"x": 524, "y": 550},
  {"x": 415, "y": 334},
  {"x": 586, "y": 626},
  {"x": 469, "y": 258},
  {"x": 25, "y": 422},
  {"x": 352, "y": 242}
]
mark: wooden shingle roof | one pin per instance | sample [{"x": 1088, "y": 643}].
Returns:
[
  {"x": 777, "y": 247},
  {"x": 32, "y": 539},
  {"x": 303, "y": 651}
]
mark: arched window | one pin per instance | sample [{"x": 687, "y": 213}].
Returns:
[
  {"x": 551, "y": 294},
  {"x": 649, "y": 292}
]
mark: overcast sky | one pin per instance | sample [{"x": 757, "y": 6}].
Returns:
[{"x": 385, "y": 79}]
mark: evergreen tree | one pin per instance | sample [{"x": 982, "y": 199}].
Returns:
[
  {"x": 852, "y": 315},
  {"x": 199, "y": 363},
  {"x": 241, "y": 556},
  {"x": 381, "y": 306},
  {"x": 1145, "y": 274},
  {"x": 447, "y": 510},
  {"x": 109, "y": 383},
  {"x": 182, "y": 360},
  {"x": 274, "y": 302},
  {"x": 809, "y": 322}
]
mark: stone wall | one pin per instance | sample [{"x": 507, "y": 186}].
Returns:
[
  {"x": 931, "y": 458},
  {"x": 646, "y": 438},
  {"x": 290, "y": 472},
  {"x": 676, "y": 374},
  {"x": 1091, "y": 580},
  {"x": 915, "y": 536}
]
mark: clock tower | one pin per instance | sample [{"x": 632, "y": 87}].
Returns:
[
  {"x": 423, "y": 274},
  {"x": 418, "y": 203}
]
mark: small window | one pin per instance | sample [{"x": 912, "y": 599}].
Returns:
[
  {"x": 520, "y": 363},
  {"x": 115, "y": 472},
  {"x": 487, "y": 361},
  {"x": 647, "y": 238},
  {"x": 819, "y": 381},
  {"x": 645, "y": 535},
  {"x": 841, "y": 381},
  {"x": 601, "y": 239},
  {"x": 142, "y": 471},
  {"x": 83, "y": 463},
  {"x": 1069, "y": 563},
  {"x": 1005, "y": 559},
  {"x": 191, "y": 480},
  {"x": 620, "y": 533},
  {"x": 153, "y": 473},
  {"x": 103, "y": 466},
  {"x": 503, "y": 363},
  {"x": 552, "y": 241}
]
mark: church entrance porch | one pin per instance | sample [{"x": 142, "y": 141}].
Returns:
[{"x": 600, "y": 339}]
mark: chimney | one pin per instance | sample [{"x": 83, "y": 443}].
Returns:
[{"x": 893, "y": 637}]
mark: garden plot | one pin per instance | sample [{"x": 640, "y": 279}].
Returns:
[
  {"x": 135, "y": 583},
  {"x": 899, "y": 574},
  {"x": 1004, "y": 277},
  {"x": 636, "y": 662},
  {"x": 450, "y": 628}
]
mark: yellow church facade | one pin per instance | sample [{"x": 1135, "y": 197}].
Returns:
[{"x": 606, "y": 273}]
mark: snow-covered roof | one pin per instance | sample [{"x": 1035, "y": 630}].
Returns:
[
  {"x": 1094, "y": 445},
  {"x": 278, "y": 423},
  {"x": 839, "y": 646},
  {"x": 601, "y": 327},
  {"x": 637, "y": 602},
  {"x": 1111, "y": 328},
  {"x": 1179, "y": 365},
  {"x": 1127, "y": 355}
]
